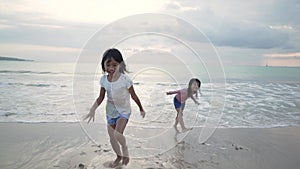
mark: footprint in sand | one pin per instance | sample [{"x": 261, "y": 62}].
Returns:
[
  {"x": 81, "y": 166},
  {"x": 82, "y": 153},
  {"x": 184, "y": 130},
  {"x": 188, "y": 129},
  {"x": 109, "y": 164}
]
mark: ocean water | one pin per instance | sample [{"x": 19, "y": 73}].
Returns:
[{"x": 255, "y": 96}]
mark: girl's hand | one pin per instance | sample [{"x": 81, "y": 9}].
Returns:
[
  {"x": 90, "y": 116},
  {"x": 143, "y": 113}
]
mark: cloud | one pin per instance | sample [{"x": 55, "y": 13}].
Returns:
[
  {"x": 41, "y": 32},
  {"x": 34, "y": 36},
  {"x": 226, "y": 24},
  {"x": 64, "y": 23},
  {"x": 244, "y": 27},
  {"x": 173, "y": 5},
  {"x": 99, "y": 11},
  {"x": 248, "y": 35},
  {"x": 282, "y": 12},
  {"x": 39, "y": 52},
  {"x": 268, "y": 11},
  {"x": 243, "y": 24},
  {"x": 282, "y": 59},
  {"x": 27, "y": 47},
  {"x": 283, "y": 55}
]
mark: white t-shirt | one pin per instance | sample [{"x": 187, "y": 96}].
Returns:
[{"x": 118, "y": 96}]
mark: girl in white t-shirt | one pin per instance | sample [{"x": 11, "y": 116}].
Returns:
[{"x": 119, "y": 88}]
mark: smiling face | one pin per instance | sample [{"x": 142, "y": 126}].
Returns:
[
  {"x": 111, "y": 66},
  {"x": 195, "y": 86}
]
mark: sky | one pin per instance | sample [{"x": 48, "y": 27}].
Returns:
[{"x": 243, "y": 32}]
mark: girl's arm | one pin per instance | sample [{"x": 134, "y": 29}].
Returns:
[
  {"x": 91, "y": 114},
  {"x": 172, "y": 92},
  {"x": 137, "y": 100},
  {"x": 195, "y": 100}
]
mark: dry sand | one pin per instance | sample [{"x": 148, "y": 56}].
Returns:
[{"x": 65, "y": 145}]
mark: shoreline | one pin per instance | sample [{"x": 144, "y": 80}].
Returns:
[
  {"x": 219, "y": 127},
  {"x": 66, "y": 145}
]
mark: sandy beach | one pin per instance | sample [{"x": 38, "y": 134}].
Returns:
[{"x": 65, "y": 145}]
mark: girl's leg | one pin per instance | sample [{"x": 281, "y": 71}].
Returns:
[
  {"x": 120, "y": 127},
  {"x": 114, "y": 144},
  {"x": 176, "y": 120},
  {"x": 180, "y": 119}
]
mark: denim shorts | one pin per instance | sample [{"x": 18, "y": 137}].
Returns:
[
  {"x": 178, "y": 104},
  {"x": 113, "y": 121}
]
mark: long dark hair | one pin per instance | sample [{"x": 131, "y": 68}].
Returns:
[
  {"x": 190, "y": 92},
  {"x": 115, "y": 54}
]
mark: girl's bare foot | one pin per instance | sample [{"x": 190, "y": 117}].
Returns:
[
  {"x": 125, "y": 159},
  {"x": 116, "y": 162},
  {"x": 186, "y": 129}
]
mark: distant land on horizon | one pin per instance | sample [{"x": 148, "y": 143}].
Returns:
[{"x": 2, "y": 58}]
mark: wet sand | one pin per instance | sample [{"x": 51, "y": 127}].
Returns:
[{"x": 66, "y": 145}]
